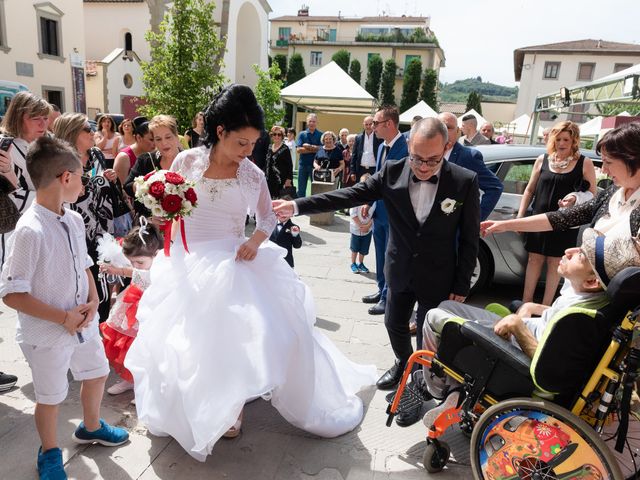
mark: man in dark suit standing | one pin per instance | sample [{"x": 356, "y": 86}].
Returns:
[
  {"x": 471, "y": 158},
  {"x": 434, "y": 219},
  {"x": 363, "y": 156},
  {"x": 394, "y": 147}
]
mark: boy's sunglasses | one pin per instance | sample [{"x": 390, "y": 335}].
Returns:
[{"x": 85, "y": 178}]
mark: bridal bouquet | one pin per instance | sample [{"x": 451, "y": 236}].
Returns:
[
  {"x": 167, "y": 194},
  {"x": 170, "y": 196}
]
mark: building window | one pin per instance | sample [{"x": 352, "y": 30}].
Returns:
[
  {"x": 333, "y": 34},
  {"x": 621, "y": 66},
  {"x": 316, "y": 59},
  {"x": 551, "y": 70},
  {"x": 127, "y": 80},
  {"x": 284, "y": 33},
  {"x": 585, "y": 71},
  {"x": 128, "y": 42},
  {"x": 49, "y": 19},
  {"x": 54, "y": 95}
]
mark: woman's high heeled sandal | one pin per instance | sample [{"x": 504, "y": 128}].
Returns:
[{"x": 235, "y": 430}]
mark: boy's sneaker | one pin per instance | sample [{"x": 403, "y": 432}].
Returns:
[
  {"x": 354, "y": 268},
  {"x": 50, "y": 465},
  {"x": 362, "y": 268},
  {"x": 7, "y": 381},
  {"x": 120, "y": 387},
  {"x": 106, "y": 435}
]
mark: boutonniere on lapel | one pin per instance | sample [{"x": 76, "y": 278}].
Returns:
[{"x": 449, "y": 205}]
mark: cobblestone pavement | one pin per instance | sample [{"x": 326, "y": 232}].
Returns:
[{"x": 269, "y": 447}]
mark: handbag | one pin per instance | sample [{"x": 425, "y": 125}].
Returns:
[
  {"x": 288, "y": 192},
  {"x": 324, "y": 175},
  {"x": 9, "y": 213}
]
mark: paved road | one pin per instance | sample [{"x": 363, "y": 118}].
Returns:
[{"x": 269, "y": 448}]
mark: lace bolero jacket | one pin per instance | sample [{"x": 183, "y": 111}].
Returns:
[
  {"x": 194, "y": 162},
  {"x": 588, "y": 213}
]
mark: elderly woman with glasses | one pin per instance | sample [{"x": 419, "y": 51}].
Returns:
[
  {"x": 101, "y": 200},
  {"x": 279, "y": 166},
  {"x": 329, "y": 156}
]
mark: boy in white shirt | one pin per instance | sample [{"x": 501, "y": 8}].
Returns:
[{"x": 46, "y": 278}]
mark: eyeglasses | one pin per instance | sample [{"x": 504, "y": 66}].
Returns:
[
  {"x": 276, "y": 134},
  {"x": 85, "y": 178},
  {"x": 418, "y": 162},
  {"x": 87, "y": 128},
  {"x": 378, "y": 122}
]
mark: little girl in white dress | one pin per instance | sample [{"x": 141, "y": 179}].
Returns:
[{"x": 231, "y": 321}]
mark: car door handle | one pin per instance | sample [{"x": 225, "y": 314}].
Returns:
[{"x": 506, "y": 210}]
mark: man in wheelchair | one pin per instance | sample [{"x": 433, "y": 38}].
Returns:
[{"x": 588, "y": 268}]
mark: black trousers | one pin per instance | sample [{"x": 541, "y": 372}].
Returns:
[{"x": 398, "y": 312}]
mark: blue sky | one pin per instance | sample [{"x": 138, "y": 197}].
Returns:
[{"x": 479, "y": 37}]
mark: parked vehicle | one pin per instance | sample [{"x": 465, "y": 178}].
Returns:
[
  {"x": 502, "y": 257},
  {"x": 7, "y": 92}
]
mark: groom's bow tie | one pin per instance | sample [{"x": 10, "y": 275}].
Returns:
[{"x": 432, "y": 179}]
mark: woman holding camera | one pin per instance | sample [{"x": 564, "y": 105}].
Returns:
[{"x": 328, "y": 157}]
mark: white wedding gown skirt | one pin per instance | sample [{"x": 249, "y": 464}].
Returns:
[{"x": 215, "y": 332}]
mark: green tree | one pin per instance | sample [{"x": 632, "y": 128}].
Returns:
[
  {"x": 388, "y": 83},
  {"x": 267, "y": 92},
  {"x": 281, "y": 60},
  {"x": 411, "y": 85},
  {"x": 294, "y": 73},
  {"x": 374, "y": 72},
  {"x": 428, "y": 92},
  {"x": 354, "y": 70},
  {"x": 341, "y": 57},
  {"x": 186, "y": 53},
  {"x": 474, "y": 101}
]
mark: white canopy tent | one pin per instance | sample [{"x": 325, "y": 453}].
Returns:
[
  {"x": 329, "y": 90},
  {"x": 592, "y": 127},
  {"x": 521, "y": 126},
  {"x": 479, "y": 117},
  {"x": 421, "y": 108}
]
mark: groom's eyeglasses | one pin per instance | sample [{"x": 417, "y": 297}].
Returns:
[{"x": 429, "y": 162}]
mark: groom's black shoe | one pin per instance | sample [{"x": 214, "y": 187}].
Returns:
[
  {"x": 375, "y": 298},
  {"x": 391, "y": 377},
  {"x": 378, "y": 308}
]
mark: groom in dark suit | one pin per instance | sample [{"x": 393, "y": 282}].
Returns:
[{"x": 434, "y": 218}]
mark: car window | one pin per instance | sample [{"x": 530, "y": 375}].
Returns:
[
  {"x": 515, "y": 175},
  {"x": 496, "y": 442},
  {"x": 513, "y": 424}
]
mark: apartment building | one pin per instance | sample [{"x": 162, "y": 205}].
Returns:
[
  {"x": 543, "y": 69},
  {"x": 317, "y": 38}
]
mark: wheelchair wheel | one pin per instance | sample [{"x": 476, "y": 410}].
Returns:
[
  {"x": 436, "y": 456},
  {"x": 534, "y": 439}
]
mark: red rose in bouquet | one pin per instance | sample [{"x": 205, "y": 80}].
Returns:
[
  {"x": 171, "y": 203},
  {"x": 156, "y": 189},
  {"x": 191, "y": 196},
  {"x": 148, "y": 175},
  {"x": 174, "y": 178}
]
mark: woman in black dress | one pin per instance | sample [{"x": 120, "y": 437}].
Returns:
[
  {"x": 555, "y": 178},
  {"x": 329, "y": 156},
  {"x": 279, "y": 167}
]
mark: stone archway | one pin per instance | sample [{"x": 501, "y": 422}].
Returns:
[{"x": 249, "y": 43}]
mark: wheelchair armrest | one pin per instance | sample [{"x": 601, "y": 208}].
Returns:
[{"x": 497, "y": 346}]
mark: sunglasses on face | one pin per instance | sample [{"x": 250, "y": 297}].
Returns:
[
  {"x": 87, "y": 128},
  {"x": 85, "y": 178},
  {"x": 276, "y": 134},
  {"x": 378, "y": 122}
]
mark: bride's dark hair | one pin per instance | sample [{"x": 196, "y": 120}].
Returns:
[{"x": 235, "y": 107}]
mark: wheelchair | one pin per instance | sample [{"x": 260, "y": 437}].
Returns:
[{"x": 564, "y": 414}]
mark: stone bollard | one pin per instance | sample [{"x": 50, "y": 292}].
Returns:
[{"x": 321, "y": 218}]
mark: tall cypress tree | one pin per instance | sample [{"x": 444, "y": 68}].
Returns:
[
  {"x": 281, "y": 60},
  {"x": 341, "y": 57},
  {"x": 388, "y": 83},
  {"x": 294, "y": 73},
  {"x": 474, "y": 101},
  {"x": 428, "y": 92},
  {"x": 374, "y": 72},
  {"x": 411, "y": 85},
  {"x": 354, "y": 70}
]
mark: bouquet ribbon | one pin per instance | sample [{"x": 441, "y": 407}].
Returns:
[
  {"x": 132, "y": 296},
  {"x": 166, "y": 228}
]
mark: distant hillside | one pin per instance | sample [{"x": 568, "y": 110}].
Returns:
[{"x": 460, "y": 89}]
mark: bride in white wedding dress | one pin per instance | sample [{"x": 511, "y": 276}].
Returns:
[{"x": 231, "y": 321}]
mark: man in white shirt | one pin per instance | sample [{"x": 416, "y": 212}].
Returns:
[{"x": 363, "y": 156}]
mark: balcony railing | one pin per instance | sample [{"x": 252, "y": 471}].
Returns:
[
  {"x": 418, "y": 36},
  {"x": 282, "y": 43}
]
